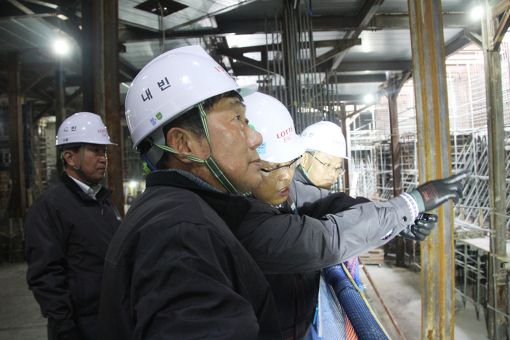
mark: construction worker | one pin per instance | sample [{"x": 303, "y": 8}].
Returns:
[
  {"x": 175, "y": 270},
  {"x": 295, "y": 289},
  {"x": 68, "y": 229},
  {"x": 322, "y": 164}
]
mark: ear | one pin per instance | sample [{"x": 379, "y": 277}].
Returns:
[
  {"x": 69, "y": 157},
  {"x": 186, "y": 142},
  {"x": 306, "y": 160}
]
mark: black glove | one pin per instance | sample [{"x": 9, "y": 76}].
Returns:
[
  {"x": 421, "y": 228},
  {"x": 432, "y": 194}
]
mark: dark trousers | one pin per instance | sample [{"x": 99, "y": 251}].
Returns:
[{"x": 86, "y": 329}]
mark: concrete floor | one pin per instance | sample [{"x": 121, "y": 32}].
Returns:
[
  {"x": 20, "y": 318},
  {"x": 400, "y": 290}
]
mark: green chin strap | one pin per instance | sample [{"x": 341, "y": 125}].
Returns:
[{"x": 209, "y": 162}]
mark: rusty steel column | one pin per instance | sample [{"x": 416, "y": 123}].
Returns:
[
  {"x": 60, "y": 110},
  {"x": 497, "y": 292},
  {"x": 18, "y": 201},
  {"x": 345, "y": 131},
  {"x": 112, "y": 102},
  {"x": 434, "y": 161},
  {"x": 92, "y": 56},
  {"x": 392, "y": 93},
  {"x": 101, "y": 84}
]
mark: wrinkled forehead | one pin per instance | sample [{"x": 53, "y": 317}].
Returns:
[{"x": 233, "y": 104}]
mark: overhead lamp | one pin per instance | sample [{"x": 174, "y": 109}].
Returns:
[
  {"x": 133, "y": 184},
  {"x": 369, "y": 99},
  {"x": 61, "y": 47},
  {"x": 476, "y": 13}
]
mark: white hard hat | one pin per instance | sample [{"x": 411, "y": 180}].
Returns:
[
  {"x": 326, "y": 137},
  {"x": 272, "y": 119},
  {"x": 170, "y": 85},
  {"x": 83, "y": 127}
]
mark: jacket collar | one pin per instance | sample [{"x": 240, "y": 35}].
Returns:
[
  {"x": 300, "y": 176},
  {"x": 74, "y": 187},
  {"x": 231, "y": 208}
]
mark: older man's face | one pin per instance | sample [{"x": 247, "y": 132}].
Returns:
[{"x": 234, "y": 144}]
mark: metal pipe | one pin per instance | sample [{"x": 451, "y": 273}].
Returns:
[
  {"x": 497, "y": 174},
  {"x": 434, "y": 161}
]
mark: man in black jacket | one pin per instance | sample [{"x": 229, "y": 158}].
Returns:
[
  {"x": 175, "y": 270},
  {"x": 68, "y": 230}
]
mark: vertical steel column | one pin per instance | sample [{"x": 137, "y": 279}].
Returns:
[
  {"x": 112, "y": 101},
  {"x": 345, "y": 131},
  {"x": 92, "y": 56},
  {"x": 17, "y": 167},
  {"x": 497, "y": 294},
  {"x": 60, "y": 110},
  {"x": 100, "y": 82},
  {"x": 392, "y": 94},
  {"x": 434, "y": 161}
]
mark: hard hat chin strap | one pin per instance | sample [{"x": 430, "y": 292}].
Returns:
[{"x": 209, "y": 162}]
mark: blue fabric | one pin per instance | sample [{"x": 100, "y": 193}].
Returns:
[{"x": 360, "y": 316}]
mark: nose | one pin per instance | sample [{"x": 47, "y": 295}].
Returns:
[
  {"x": 254, "y": 138},
  {"x": 284, "y": 175},
  {"x": 103, "y": 157}
]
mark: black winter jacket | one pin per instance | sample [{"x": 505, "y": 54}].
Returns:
[
  {"x": 176, "y": 271},
  {"x": 295, "y": 291},
  {"x": 67, "y": 234},
  {"x": 292, "y": 249}
]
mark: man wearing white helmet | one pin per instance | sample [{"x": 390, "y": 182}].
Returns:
[
  {"x": 68, "y": 229},
  {"x": 175, "y": 270},
  {"x": 290, "y": 249},
  {"x": 322, "y": 164}
]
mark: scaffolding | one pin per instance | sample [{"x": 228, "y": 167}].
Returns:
[{"x": 371, "y": 174}]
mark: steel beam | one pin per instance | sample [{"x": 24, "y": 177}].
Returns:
[
  {"x": 392, "y": 91},
  {"x": 497, "y": 292},
  {"x": 101, "y": 82},
  {"x": 112, "y": 109},
  {"x": 365, "y": 14},
  {"x": 434, "y": 161},
  {"x": 60, "y": 107},
  {"x": 18, "y": 199},
  {"x": 397, "y": 65},
  {"x": 345, "y": 131}
]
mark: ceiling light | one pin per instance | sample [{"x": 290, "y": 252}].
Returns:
[
  {"x": 61, "y": 47},
  {"x": 476, "y": 13},
  {"x": 62, "y": 17},
  {"x": 369, "y": 98}
]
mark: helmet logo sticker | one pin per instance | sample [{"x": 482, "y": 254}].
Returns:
[
  {"x": 73, "y": 128},
  {"x": 154, "y": 120},
  {"x": 102, "y": 132},
  {"x": 285, "y": 132}
]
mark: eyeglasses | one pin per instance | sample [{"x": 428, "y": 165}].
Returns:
[
  {"x": 292, "y": 165},
  {"x": 327, "y": 165}
]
